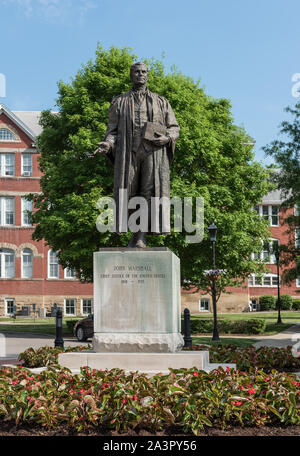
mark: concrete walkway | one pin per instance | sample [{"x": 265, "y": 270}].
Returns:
[
  {"x": 11, "y": 344},
  {"x": 285, "y": 338}
]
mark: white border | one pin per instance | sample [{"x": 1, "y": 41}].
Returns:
[
  {"x": 81, "y": 306},
  {"x": 65, "y": 313}
]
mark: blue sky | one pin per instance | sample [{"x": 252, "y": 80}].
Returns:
[{"x": 246, "y": 51}]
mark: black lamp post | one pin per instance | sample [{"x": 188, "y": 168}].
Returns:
[
  {"x": 213, "y": 237},
  {"x": 277, "y": 256}
]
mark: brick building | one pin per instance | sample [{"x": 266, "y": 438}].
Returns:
[
  {"x": 239, "y": 298},
  {"x": 29, "y": 270}
]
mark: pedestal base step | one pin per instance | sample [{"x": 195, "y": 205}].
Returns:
[{"x": 150, "y": 363}]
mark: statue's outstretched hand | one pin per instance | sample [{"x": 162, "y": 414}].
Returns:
[{"x": 103, "y": 148}]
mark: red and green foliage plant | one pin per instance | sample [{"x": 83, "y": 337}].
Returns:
[
  {"x": 265, "y": 358},
  {"x": 190, "y": 398},
  {"x": 46, "y": 356}
]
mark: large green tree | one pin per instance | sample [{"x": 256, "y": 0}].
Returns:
[
  {"x": 286, "y": 152},
  {"x": 213, "y": 160}
]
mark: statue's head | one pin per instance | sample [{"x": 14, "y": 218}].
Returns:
[{"x": 139, "y": 73}]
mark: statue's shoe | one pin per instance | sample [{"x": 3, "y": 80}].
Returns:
[
  {"x": 140, "y": 244},
  {"x": 138, "y": 240}
]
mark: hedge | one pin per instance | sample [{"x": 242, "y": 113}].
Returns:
[
  {"x": 267, "y": 302},
  {"x": 70, "y": 325},
  {"x": 251, "y": 326},
  {"x": 286, "y": 302},
  {"x": 296, "y": 304}
]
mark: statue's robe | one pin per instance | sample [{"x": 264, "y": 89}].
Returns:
[{"x": 119, "y": 134}]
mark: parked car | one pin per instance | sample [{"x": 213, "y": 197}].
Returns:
[{"x": 84, "y": 329}]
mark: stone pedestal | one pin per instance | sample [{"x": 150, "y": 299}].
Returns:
[
  {"x": 137, "y": 315},
  {"x": 136, "y": 300}
]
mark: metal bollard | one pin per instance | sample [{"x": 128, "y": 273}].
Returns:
[
  {"x": 187, "y": 329},
  {"x": 59, "y": 342}
]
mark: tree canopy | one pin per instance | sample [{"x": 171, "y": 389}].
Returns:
[
  {"x": 213, "y": 160},
  {"x": 286, "y": 153}
]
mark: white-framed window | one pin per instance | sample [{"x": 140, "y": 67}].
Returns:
[
  {"x": 267, "y": 280},
  {"x": 7, "y": 165},
  {"x": 7, "y": 210},
  {"x": 298, "y": 281},
  {"x": 9, "y": 306},
  {"x": 70, "y": 306},
  {"x": 6, "y": 135},
  {"x": 204, "y": 305},
  {"x": 267, "y": 253},
  {"x": 27, "y": 263},
  {"x": 27, "y": 165},
  {"x": 268, "y": 212},
  {"x": 87, "y": 306},
  {"x": 26, "y": 210},
  {"x": 7, "y": 263},
  {"x": 53, "y": 265},
  {"x": 70, "y": 273}
]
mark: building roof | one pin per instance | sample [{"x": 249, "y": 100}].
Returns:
[
  {"x": 30, "y": 119},
  {"x": 30, "y": 123},
  {"x": 274, "y": 197}
]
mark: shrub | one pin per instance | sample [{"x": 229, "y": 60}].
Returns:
[
  {"x": 296, "y": 304},
  {"x": 225, "y": 326},
  {"x": 70, "y": 325},
  {"x": 46, "y": 356},
  {"x": 267, "y": 302},
  {"x": 251, "y": 326},
  {"x": 266, "y": 358},
  {"x": 286, "y": 302}
]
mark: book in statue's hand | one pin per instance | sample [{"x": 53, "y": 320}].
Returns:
[{"x": 153, "y": 130}]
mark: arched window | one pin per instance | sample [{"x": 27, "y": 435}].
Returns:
[
  {"x": 27, "y": 259},
  {"x": 6, "y": 135},
  {"x": 53, "y": 265},
  {"x": 7, "y": 263}
]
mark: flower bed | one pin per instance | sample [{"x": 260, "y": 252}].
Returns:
[
  {"x": 46, "y": 356},
  {"x": 266, "y": 358},
  {"x": 191, "y": 399}
]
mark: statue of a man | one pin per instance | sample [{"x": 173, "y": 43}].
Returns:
[{"x": 140, "y": 140}]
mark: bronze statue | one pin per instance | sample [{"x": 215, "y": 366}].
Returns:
[{"x": 140, "y": 140}]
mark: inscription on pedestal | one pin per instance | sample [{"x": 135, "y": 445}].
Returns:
[{"x": 136, "y": 291}]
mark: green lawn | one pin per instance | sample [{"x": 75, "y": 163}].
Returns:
[
  {"x": 224, "y": 341},
  {"x": 29, "y": 325},
  {"x": 288, "y": 319}
]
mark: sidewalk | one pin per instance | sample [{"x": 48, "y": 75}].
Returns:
[{"x": 287, "y": 337}]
